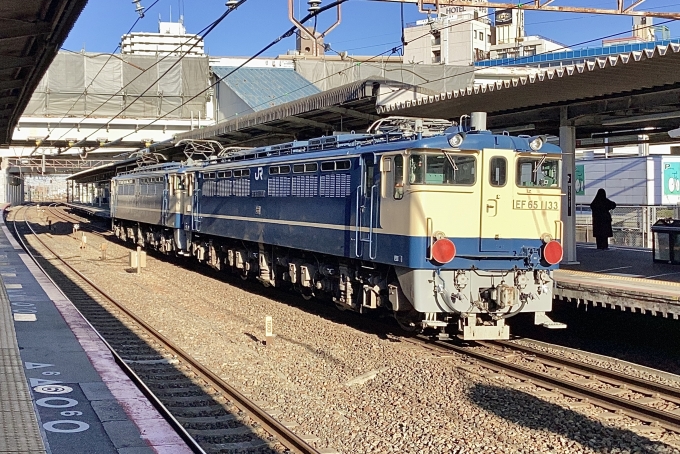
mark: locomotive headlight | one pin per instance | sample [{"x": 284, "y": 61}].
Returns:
[
  {"x": 456, "y": 140},
  {"x": 443, "y": 251},
  {"x": 552, "y": 252},
  {"x": 536, "y": 143}
]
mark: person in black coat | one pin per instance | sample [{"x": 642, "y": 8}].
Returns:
[{"x": 602, "y": 219}]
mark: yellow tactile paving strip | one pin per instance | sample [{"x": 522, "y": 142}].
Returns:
[
  {"x": 617, "y": 278},
  {"x": 19, "y": 431}
]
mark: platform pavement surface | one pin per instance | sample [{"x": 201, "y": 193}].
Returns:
[
  {"x": 103, "y": 210},
  {"x": 621, "y": 278},
  {"x": 626, "y": 262},
  {"x": 82, "y": 400},
  {"x": 626, "y": 269}
]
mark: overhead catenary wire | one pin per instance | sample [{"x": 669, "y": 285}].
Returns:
[
  {"x": 393, "y": 50},
  {"x": 63, "y": 117},
  {"x": 426, "y": 81},
  {"x": 286, "y": 34},
  {"x": 206, "y": 31}
]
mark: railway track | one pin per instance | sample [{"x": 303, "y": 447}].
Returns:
[
  {"x": 212, "y": 416},
  {"x": 545, "y": 374},
  {"x": 616, "y": 395},
  {"x": 54, "y": 212}
]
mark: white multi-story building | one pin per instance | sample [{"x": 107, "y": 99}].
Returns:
[
  {"x": 459, "y": 35},
  {"x": 172, "y": 38}
]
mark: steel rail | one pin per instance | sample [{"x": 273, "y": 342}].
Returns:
[
  {"x": 284, "y": 435},
  {"x": 568, "y": 388},
  {"x": 86, "y": 225},
  {"x": 638, "y": 385},
  {"x": 74, "y": 219},
  {"x": 193, "y": 445}
]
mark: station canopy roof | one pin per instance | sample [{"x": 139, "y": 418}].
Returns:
[
  {"x": 254, "y": 86},
  {"x": 31, "y": 33},
  {"x": 351, "y": 107},
  {"x": 613, "y": 95}
]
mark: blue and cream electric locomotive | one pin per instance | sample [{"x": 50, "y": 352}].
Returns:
[{"x": 458, "y": 229}]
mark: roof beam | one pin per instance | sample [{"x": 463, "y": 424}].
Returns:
[
  {"x": 12, "y": 28},
  {"x": 591, "y": 112},
  {"x": 271, "y": 129},
  {"x": 10, "y": 62},
  {"x": 621, "y": 10},
  {"x": 8, "y": 100},
  {"x": 315, "y": 124},
  {"x": 353, "y": 113},
  {"x": 11, "y": 84},
  {"x": 237, "y": 134}
]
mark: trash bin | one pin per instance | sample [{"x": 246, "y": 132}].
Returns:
[{"x": 666, "y": 241}]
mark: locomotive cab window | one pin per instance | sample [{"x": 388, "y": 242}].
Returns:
[
  {"x": 538, "y": 171},
  {"x": 442, "y": 168},
  {"x": 498, "y": 171}
]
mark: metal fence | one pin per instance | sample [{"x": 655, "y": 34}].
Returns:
[{"x": 631, "y": 225}]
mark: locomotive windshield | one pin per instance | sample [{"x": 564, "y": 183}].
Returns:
[
  {"x": 538, "y": 171},
  {"x": 442, "y": 168}
]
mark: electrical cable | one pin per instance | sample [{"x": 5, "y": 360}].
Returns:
[
  {"x": 392, "y": 50},
  {"x": 92, "y": 81},
  {"x": 288, "y": 33},
  {"x": 207, "y": 30}
]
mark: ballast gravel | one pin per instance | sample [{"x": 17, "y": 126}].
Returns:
[{"x": 346, "y": 390}]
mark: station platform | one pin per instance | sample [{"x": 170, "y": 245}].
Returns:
[
  {"x": 101, "y": 211},
  {"x": 61, "y": 391},
  {"x": 620, "y": 278}
]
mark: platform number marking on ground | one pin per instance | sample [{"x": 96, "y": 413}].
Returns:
[{"x": 56, "y": 399}]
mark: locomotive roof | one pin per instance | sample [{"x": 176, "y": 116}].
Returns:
[{"x": 355, "y": 144}]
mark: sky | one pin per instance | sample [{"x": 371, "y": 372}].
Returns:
[{"x": 367, "y": 28}]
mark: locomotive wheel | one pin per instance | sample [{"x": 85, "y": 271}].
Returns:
[
  {"x": 408, "y": 321},
  {"x": 306, "y": 293}
]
